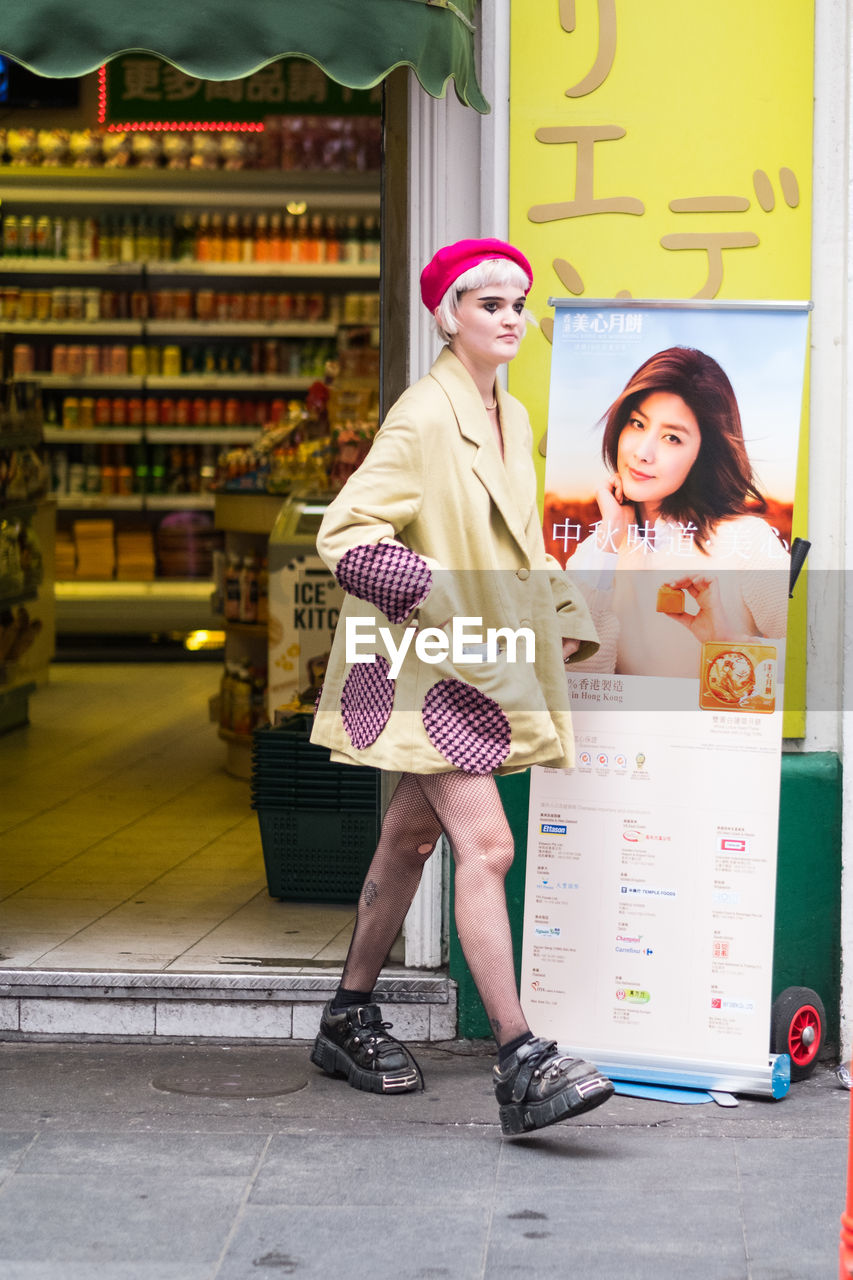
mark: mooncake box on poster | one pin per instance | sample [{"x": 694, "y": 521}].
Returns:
[{"x": 738, "y": 677}]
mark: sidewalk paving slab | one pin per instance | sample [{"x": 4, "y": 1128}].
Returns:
[{"x": 236, "y": 1162}]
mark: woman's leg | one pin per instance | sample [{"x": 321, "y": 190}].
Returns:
[
  {"x": 409, "y": 832},
  {"x": 470, "y": 811}
]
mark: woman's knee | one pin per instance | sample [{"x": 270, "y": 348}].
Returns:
[{"x": 492, "y": 854}]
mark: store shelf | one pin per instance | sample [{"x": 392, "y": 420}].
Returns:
[
  {"x": 281, "y": 270},
  {"x": 62, "y": 267},
  {"x": 97, "y": 381},
  {"x": 228, "y": 381},
  {"x": 292, "y": 270},
  {"x": 240, "y": 328},
  {"x": 100, "y": 502},
  {"x": 70, "y": 328},
  {"x": 166, "y": 604},
  {"x": 179, "y": 501},
  {"x": 247, "y": 188},
  {"x": 201, "y": 435},
  {"x": 93, "y": 435}
]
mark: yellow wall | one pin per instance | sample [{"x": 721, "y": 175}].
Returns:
[{"x": 662, "y": 150}]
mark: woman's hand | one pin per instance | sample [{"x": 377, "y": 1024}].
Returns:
[
  {"x": 617, "y": 515},
  {"x": 714, "y": 621},
  {"x": 570, "y": 648}
]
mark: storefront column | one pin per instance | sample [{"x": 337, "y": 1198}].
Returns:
[{"x": 458, "y": 186}]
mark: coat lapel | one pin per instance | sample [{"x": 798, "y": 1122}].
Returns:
[{"x": 473, "y": 421}]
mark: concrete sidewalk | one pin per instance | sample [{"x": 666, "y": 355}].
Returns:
[{"x": 200, "y": 1162}]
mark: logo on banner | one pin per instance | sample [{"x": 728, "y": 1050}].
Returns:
[
  {"x": 733, "y": 844},
  {"x": 553, "y": 828},
  {"x": 632, "y": 995}
]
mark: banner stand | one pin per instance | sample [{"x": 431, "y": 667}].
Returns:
[
  {"x": 651, "y": 865},
  {"x": 773, "y": 1081}
]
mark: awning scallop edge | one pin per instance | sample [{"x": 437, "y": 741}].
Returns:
[{"x": 356, "y": 42}]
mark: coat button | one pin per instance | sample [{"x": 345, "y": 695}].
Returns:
[{"x": 523, "y": 574}]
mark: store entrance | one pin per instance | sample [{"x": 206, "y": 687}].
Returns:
[{"x": 177, "y": 296}]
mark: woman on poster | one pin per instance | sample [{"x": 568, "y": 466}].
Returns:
[
  {"x": 679, "y": 540},
  {"x": 440, "y": 523}
]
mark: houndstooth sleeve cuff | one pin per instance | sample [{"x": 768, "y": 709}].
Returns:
[{"x": 387, "y": 575}]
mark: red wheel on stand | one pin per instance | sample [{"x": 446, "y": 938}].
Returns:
[{"x": 797, "y": 1023}]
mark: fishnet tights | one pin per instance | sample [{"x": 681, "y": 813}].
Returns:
[{"x": 468, "y": 809}]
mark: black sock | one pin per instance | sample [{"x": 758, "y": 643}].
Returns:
[
  {"x": 505, "y": 1051},
  {"x": 346, "y": 999}
]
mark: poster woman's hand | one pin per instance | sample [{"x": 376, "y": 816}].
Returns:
[
  {"x": 714, "y": 621},
  {"x": 617, "y": 515}
]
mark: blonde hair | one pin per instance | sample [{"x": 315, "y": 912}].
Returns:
[{"x": 499, "y": 271}]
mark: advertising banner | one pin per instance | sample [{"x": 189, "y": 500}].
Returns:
[{"x": 649, "y": 908}]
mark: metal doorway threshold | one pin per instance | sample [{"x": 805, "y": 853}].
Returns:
[{"x": 45, "y": 1004}]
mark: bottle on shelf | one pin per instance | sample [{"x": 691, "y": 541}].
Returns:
[{"x": 249, "y": 589}]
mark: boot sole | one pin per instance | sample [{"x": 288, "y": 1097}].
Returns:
[
  {"x": 585, "y": 1095},
  {"x": 335, "y": 1062}
]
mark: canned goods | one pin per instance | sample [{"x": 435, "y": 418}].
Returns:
[
  {"x": 300, "y": 306},
  {"x": 138, "y": 361},
  {"x": 90, "y": 239},
  {"x": 23, "y": 359},
  {"x": 103, "y": 411},
  {"x": 183, "y": 412},
  {"x": 73, "y": 240},
  {"x": 285, "y": 306},
  {"x": 27, "y": 304},
  {"x": 70, "y": 412},
  {"x": 171, "y": 362},
  {"x": 75, "y": 360},
  {"x": 272, "y": 356},
  {"x": 221, "y": 306},
  {"x": 118, "y": 360},
  {"x": 233, "y": 412},
  {"x": 253, "y": 306},
  {"x": 44, "y": 301},
  {"x": 26, "y": 235},
  {"x": 75, "y": 304},
  {"x": 166, "y": 412},
  {"x": 135, "y": 411},
  {"x": 87, "y": 411},
  {"x": 59, "y": 359},
  {"x": 151, "y": 411},
  {"x": 316, "y": 305},
  {"x": 164, "y": 304},
  {"x": 182, "y": 304},
  {"x": 109, "y": 304},
  {"x": 91, "y": 360},
  {"x": 92, "y": 305},
  {"x": 11, "y": 236},
  {"x": 269, "y": 307},
  {"x": 139, "y": 305},
  {"x": 205, "y": 302},
  {"x": 214, "y": 412},
  {"x": 236, "y": 306},
  {"x": 118, "y": 411},
  {"x": 153, "y": 361},
  {"x": 44, "y": 237},
  {"x": 76, "y": 478},
  {"x": 11, "y": 302},
  {"x": 199, "y": 412}
]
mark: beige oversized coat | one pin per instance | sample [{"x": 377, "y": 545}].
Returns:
[{"x": 434, "y": 481}]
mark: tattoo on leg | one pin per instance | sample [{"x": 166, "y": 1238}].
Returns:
[
  {"x": 371, "y": 893},
  {"x": 496, "y": 1027}
]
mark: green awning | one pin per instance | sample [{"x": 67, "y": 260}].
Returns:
[{"x": 356, "y": 42}]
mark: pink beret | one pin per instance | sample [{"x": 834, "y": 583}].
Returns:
[{"x": 455, "y": 259}]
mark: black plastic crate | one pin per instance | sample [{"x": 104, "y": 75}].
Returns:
[{"x": 319, "y": 820}]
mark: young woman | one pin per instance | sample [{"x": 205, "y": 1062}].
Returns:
[
  {"x": 438, "y": 528},
  {"x": 678, "y": 511}
]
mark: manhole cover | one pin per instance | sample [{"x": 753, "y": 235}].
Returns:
[{"x": 234, "y": 1081}]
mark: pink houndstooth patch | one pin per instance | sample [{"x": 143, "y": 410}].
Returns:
[
  {"x": 466, "y": 726},
  {"x": 366, "y": 701},
  {"x": 386, "y": 575}
]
